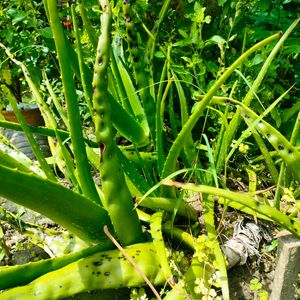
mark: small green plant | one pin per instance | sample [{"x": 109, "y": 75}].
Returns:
[{"x": 256, "y": 287}]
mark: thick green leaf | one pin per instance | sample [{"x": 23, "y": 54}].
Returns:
[{"x": 69, "y": 209}]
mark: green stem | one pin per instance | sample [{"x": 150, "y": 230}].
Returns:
[{"x": 82, "y": 167}]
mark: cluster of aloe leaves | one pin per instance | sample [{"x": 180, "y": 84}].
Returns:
[{"x": 131, "y": 106}]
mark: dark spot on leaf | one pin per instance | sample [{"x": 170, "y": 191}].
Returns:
[
  {"x": 127, "y": 19},
  {"x": 230, "y": 104},
  {"x": 280, "y": 147},
  {"x": 97, "y": 263},
  {"x": 268, "y": 135},
  {"x": 107, "y": 273}
]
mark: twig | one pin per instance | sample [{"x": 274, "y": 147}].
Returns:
[{"x": 129, "y": 258}]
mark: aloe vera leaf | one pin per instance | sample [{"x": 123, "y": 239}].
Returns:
[
  {"x": 209, "y": 222},
  {"x": 212, "y": 233},
  {"x": 234, "y": 124},
  {"x": 76, "y": 213},
  {"x": 133, "y": 97},
  {"x": 38, "y": 129},
  {"x": 84, "y": 83},
  {"x": 140, "y": 72},
  {"x": 16, "y": 160},
  {"x": 289, "y": 153},
  {"x": 224, "y": 127},
  {"x": 151, "y": 43},
  {"x": 189, "y": 143},
  {"x": 243, "y": 208},
  {"x": 64, "y": 135},
  {"x": 160, "y": 107},
  {"x": 119, "y": 85},
  {"x": 144, "y": 158},
  {"x": 293, "y": 139},
  {"x": 126, "y": 125},
  {"x": 128, "y": 167},
  {"x": 245, "y": 199},
  {"x": 159, "y": 116},
  {"x": 270, "y": 165},
  {"x": 158, "y": 242},
  {"x": 88, "y": 26},
  {"x": 296, "y": 130},
  {"x": 287, "y": 114},
  {"x": 117, "y": 199},
  {"x": 179, "y": 142},
  {"x": 179, "y": 235},
  {"x": 56, "y": 103},
  {"x": 12, "y": 276},
  {"x": 51, "y": 123},
  {"x": 102, "y": 270},
  {"x": 168, "y": 204},
  {"x": 130, "y": 170},
  {"x": 11, "y": 157},
  {"x": 82, "y": 166},
  {"x": 13, "y": 102},
  {"x": 267, "y": 156}
]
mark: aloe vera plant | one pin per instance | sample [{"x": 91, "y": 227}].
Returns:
[{"x": 127, "y": 105}]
